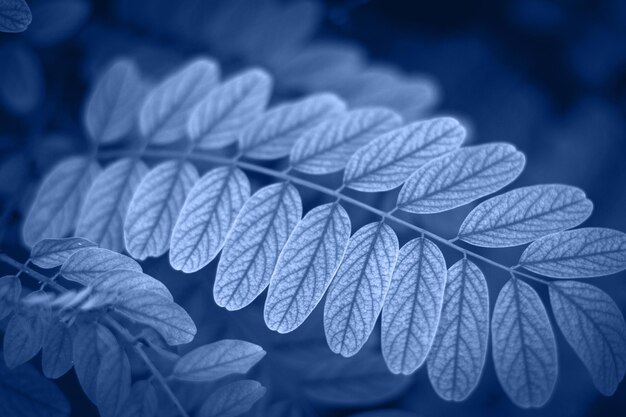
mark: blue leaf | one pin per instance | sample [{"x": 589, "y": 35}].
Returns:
[
  {"x": 206, "y": 217},
  {"x": 113, "y": 382},
  {"x": 579, "y": 253},
  {"x": 118, "y": 281},
  {"x": 25, "y": 332},
  {"x": 50, "y": 253},
  {"x": 57, "y": 205},
  {"x": 387, "y": 161},
  {"x": 57, "y": 21},
  {"x": 361, "y": 381},
  {"x": 457, "y": 356},
  {"x": 22, "y": 85},
  {"x": 328, "y": 146},
  {"x": 594, "y": 326},
  {"x": 525, "y": 214},
  {"x": 142, "y": 401},
  {"x": 56, "y": 358},
  {"x": 163, "y": 116},
  {"x": 251, "y": 250},
  {"x": 155, "y": 206},
  {"x": 104, "y": 210},
  {"x": 524, "y": 349},
  {"x": 413, "y": 306},
  {"x": 358, "y": 290},
  {"x": 91, "y": 343},
  {"x": 233, "y": 399},
  {"x": 10, "y": 290},
  {"x": 156, "y": 311},
  {"x": 217, "y": 360},
  {"x": 15, "y": 16},
  {"x": 113, "y": 105},
  {"x": 306, "y": 266},
  {"x": 24, "y": 392},
  {"x": 460, "y": 178},
  {"x": 216, "y": 120},
  {"x": 86, "y": 265},
  {"x": 272, "y": 135}
]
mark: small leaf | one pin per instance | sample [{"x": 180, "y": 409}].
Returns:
[
  {"x": 361, "y": 381},
  {"x": 413, "y": 306},
  {"x": 158, "y": 312},
  {"x": 22, "y": 82},
  {"x": 119, "y": 281},
  {"x": 102, "y": 216},
  {"x": 251, "y": 250},
  {"x": 86, "y": 265},
  {"x": 358, "y": 290},
  {"x": 457, "y": 356},
  {"x": 217, "y": 360},
  {"x": 163, "y": 116},
  {"x": 306, "y": 266},
  {"x": 594, "y": 326},
  {"x": 25, "y": 332},
  {"x": 24, "y": 392},
  {"x": 524, "y": 349},
  {"x": 57, "y": 21},
  {"x": 113, "y": 382},
  {"x": 155, "y": 206},
  {"x": 233, "y": 399},
  {"x": 460, "y": 178},
  {"x": 525, "y": 214},
  {"x": 206, "y": 217},
  {"x": 216, "y": 120},
  {"x": 387, "y": 161},
  {"x": 580, "y": 253},
  {"x": 113, "y": 106},
  {"x": 142, "y": 401},
  {"x": 10, "y": 290},
  {"x": 15, "y": 16},
  {"x": 56, "y": 358},
  {"x": 328, "y": 146},
  {"x": 57, "y": 205},
  {"x": 91, "y": 343},
  {"x": 50, "y": 253},
  {"x": 272, "y": 135}
]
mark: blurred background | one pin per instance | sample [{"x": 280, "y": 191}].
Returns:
[{"x": 546, "y": 75}]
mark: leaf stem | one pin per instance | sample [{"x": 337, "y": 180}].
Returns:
[{"x": 333, "y": 193}]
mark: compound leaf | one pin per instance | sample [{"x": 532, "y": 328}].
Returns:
[
  {"x": 233, "y": 399},
  {"x": 155, "y": 206},
  {"x": 457, "y": 356},
  {"x": 50, "y": 253},
  {"x": 113, "y": 382},
  {"x": 413, "y": 306},
  {"x": 24, "y": 392},
  {"x": 216, "y": 120},
  {"x": 217, "y": 360},
  {"x": 524, "y": 348},
  {"x": 160, "y": 313},
  {"x": 387, "y": 161},
  {"x": 328, "y": 146},
  {"x": 251, "y": 250},
  {"x": 358, "y": 290},
  {"x": 594, "y": 326},
  {"x": 56, "y": 358},
  {"x": 86, "y": 265},
  {"x": 104, "y": 210},
  {"x": 206, "y": 217},
  {"x": 10, "y": 290},
  {"x": 59, "y": 200},
  {"x": 460, "y": 178},
  {"x": 272, "y": 135},
  {"x": 579, "y": 253},
  {"x": 114, "y": 103},
  {"x": 164, "y": 113},
  {"x": 15, "y": 16},
  {"x": 306, "y": 266}
]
